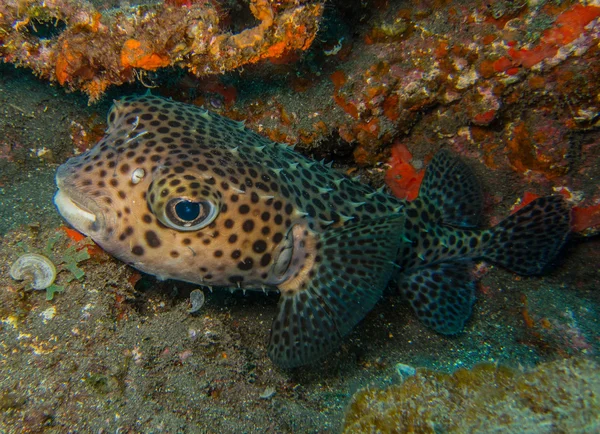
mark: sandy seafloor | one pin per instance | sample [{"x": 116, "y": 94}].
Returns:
[{"x": 104, "y": 356}]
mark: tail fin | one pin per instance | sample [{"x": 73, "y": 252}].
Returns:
[{"x": 529, "y": 239}]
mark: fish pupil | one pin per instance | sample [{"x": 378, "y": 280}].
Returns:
[{"x": 187, "y": 210}]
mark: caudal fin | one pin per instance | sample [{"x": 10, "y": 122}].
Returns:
[{"x": 528, "y": 240}]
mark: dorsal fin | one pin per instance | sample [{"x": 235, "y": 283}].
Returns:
[
  {"x": 452, "y": 188},
  {"x": 340, "y": 282}
]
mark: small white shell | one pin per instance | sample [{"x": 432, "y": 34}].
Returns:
[
  {"x": 268, "y": 393},
  {"x": 197, "y": 300},
  {"x": 137, "y": 175},
  {"x": 405, "y": 371},
  {"x": 36, "y": 268}
]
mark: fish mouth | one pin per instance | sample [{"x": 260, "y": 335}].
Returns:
[{"x": 79, "y": 210}]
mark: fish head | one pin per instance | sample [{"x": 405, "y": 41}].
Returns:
[{"x": 162, "y": 194}]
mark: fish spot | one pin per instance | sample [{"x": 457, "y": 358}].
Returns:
[
  {"x": 152, "y": 239},
  {"x": 248, "y": 226},
  {"x": 259, "y": 246},
  {"x": 137, "y": 250},
  {"x": 127, "y": 232},
  {"x": 246, "y": 264},
  {"x": 265, "y": 260}
]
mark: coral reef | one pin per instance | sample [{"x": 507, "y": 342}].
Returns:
[
  {"x": 84, "y": 48},
  {"x": 403, "y": 178},
  {"x": 560, "y": 396},
  {"x": 511, "y": 85}
]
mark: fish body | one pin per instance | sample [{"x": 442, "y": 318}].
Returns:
[{"x": 182, "y": 193}]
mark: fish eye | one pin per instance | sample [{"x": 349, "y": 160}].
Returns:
[
  {"x": 187, "y": 210},
  {"x": 187, "y": 215}
]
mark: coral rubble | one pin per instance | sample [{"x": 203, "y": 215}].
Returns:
[
  {"x": 560, "y": 396},
  {"x": 84, "y": 48}
]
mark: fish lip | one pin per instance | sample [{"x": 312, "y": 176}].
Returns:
[{"x": 78, "y": 209}]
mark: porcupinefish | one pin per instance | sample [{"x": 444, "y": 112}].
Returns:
[{"x": 182, "y": 193}]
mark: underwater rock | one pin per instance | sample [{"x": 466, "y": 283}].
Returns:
[{"x": 560, "y": 396}]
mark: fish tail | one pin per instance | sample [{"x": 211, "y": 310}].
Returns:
[
  {"x": 442, "y": 293},
  {"x": 527, "y": 241}
]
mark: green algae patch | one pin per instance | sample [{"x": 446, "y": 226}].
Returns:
[{"x": 560, "y": 396}]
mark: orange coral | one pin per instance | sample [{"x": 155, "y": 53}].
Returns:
[
  {"x": 402, "y": 177},
  {"x": 139, "y": 54},
  {"x": 83, "y": 242},
  {"x": 528, "y": 197},
  {"x": 524, "y": 153},
  {"x": 65, "y": 61},
  {"x": 339, "y": 79},
  {"x": 585, "y": 218},
  {"x": 568, "y": 26}
]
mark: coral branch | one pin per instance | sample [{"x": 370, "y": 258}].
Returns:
[{"x": 91, "y": 50}]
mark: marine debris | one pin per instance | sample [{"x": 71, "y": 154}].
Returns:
[
  {"x": 81, "y": 47},
  {"x": 560, "y": 396}
]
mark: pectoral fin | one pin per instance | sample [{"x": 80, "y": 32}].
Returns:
[{"x": 334, "y": 290}]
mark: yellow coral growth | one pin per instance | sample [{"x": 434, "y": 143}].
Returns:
[{"x": 557, "y": 397}]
